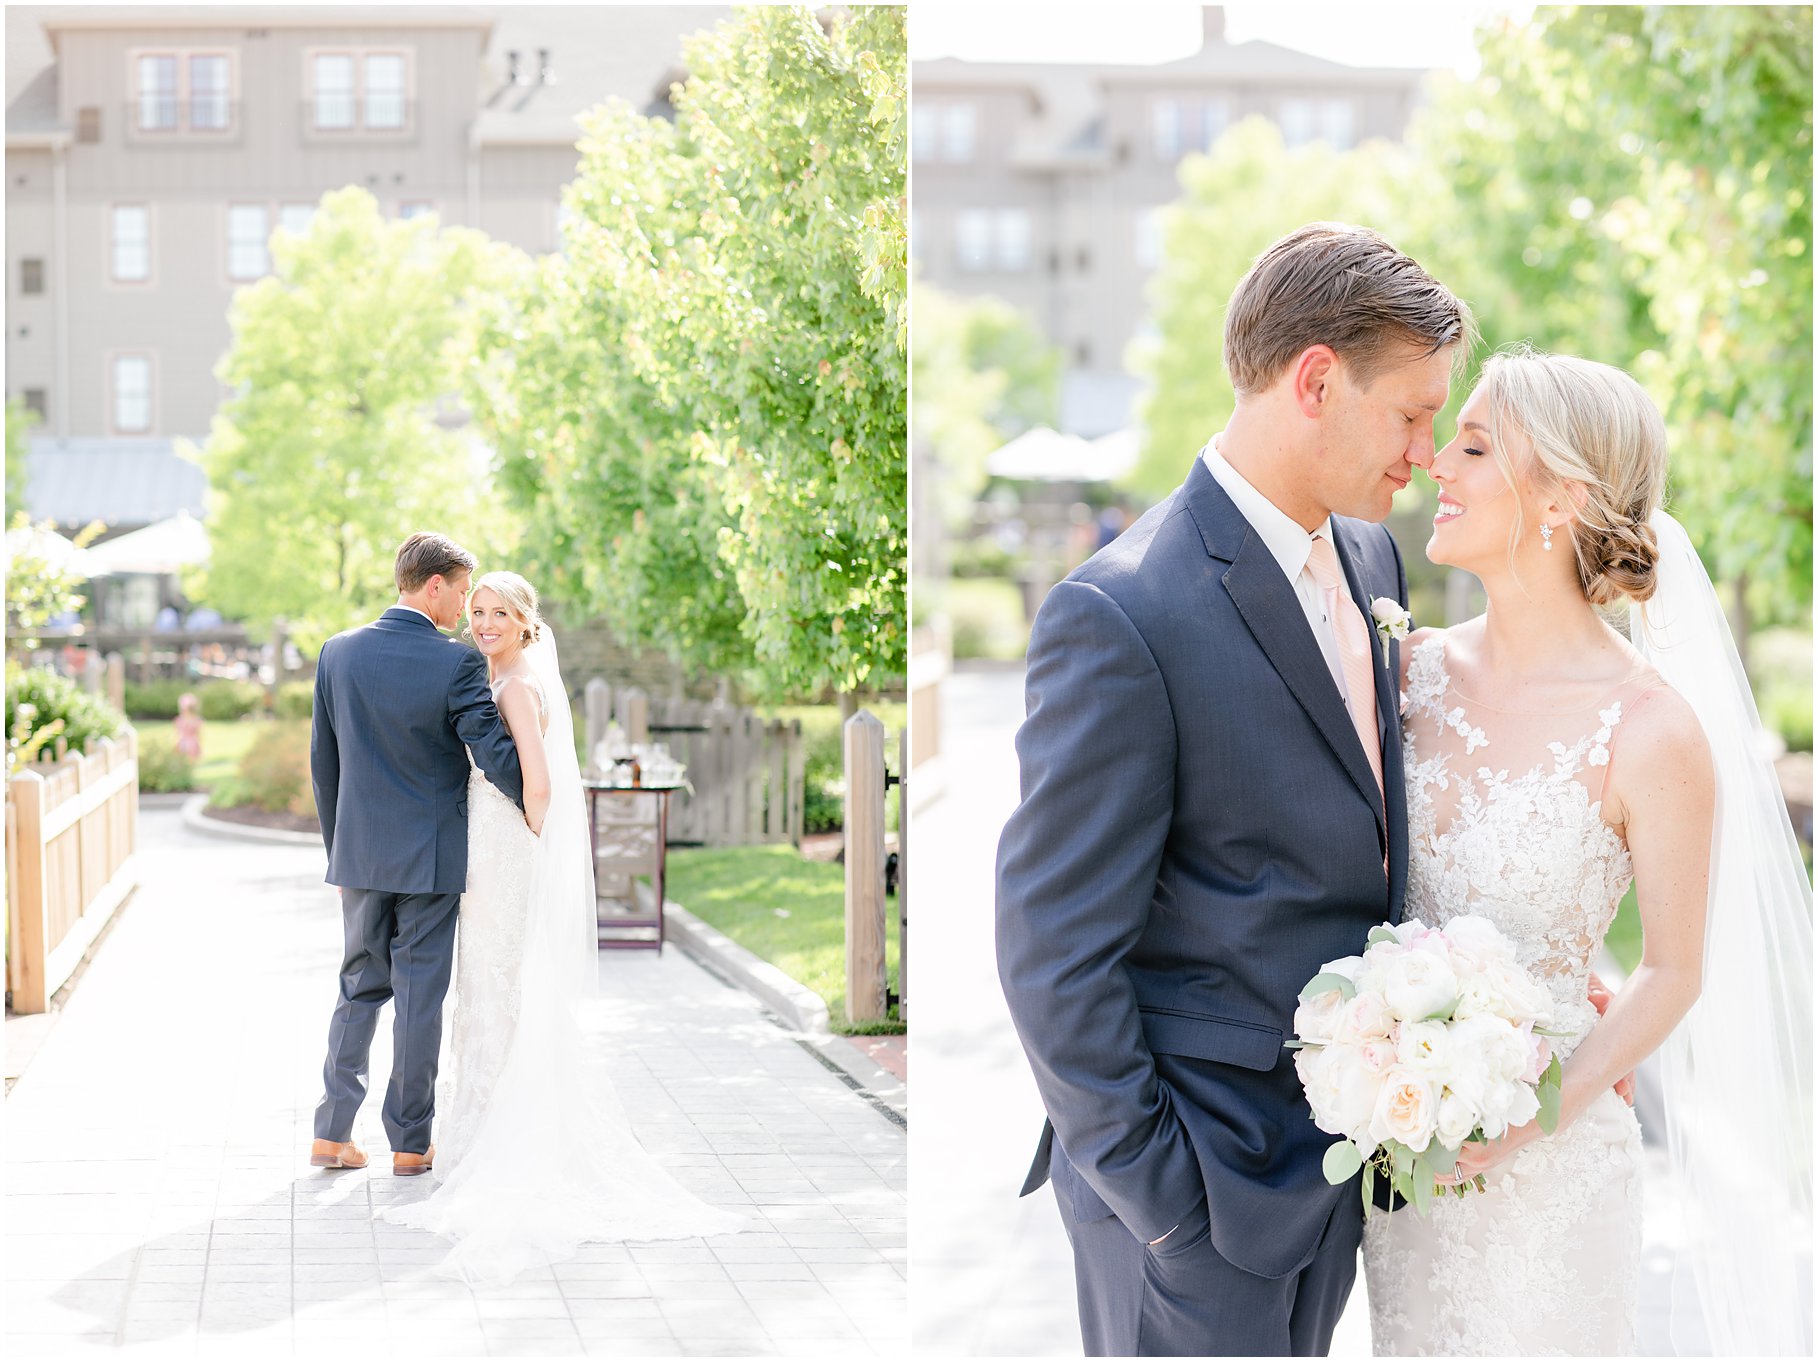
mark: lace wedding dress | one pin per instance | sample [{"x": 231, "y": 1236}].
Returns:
[
  {"x": 534, "y": 1154},
  {"x": 1505, "y": 821}
]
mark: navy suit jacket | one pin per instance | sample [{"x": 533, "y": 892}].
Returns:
[
  {"x": 397, "y": 706},
  {"x": 1199, "y": 831}
]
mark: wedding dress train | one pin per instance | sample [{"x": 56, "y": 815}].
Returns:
[{"x": 534, "y": 1154}]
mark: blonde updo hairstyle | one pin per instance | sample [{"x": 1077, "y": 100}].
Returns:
[
  {"x": 1592, "y": 425},
  {"x": 520, "y": 598}
]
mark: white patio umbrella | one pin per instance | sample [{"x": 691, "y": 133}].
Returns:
[
  {"x": 165, "y": 547},
  {"x": 1044, "y": 455},
  {"x": 36, "y": 541}
]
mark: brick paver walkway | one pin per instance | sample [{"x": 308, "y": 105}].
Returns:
[{"x": 157, "y": 1195}]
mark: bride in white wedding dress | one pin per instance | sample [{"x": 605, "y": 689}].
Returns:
[
  {"x": 536, "y": 1155},
  {"x": 1550, "y": 763}
]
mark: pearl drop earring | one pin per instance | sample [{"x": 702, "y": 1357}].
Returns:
[{"x": 1546, "y": 538}]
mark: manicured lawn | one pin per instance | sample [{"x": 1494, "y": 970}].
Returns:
[
  {"x": 787, "y": 910},
  {"x": 223, "y": 744}
]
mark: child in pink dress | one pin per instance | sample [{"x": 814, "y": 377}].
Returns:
[{"x": 189, "y": 727}]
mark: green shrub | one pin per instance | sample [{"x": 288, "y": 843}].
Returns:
[
  {"x": 1781, "y": 663},
  {"x": 987, "y": 618},
  {"x": 824, "y": 757},
  {"x": 981, "y": 557},
  {"x": 274, "y": 774},
  {"x": 296, "y": 699},
  {"x": 155, "y": 699},
  {"x": 86, "y": 719},
  {"x": 222, "y": 701},
  {"x": 162, "y": 768}
]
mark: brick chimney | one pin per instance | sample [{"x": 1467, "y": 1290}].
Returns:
[{"x": 1212, "y": 25}]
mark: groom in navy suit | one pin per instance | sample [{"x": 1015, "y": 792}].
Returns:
[
  {"x": 397, "y": 708},
  {"x": 1212, "y": 808}
]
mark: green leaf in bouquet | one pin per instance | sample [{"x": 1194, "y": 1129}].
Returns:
[
  {"x": 1554, "y": 1074},
  {"x": 1440, "y": 1159},
  {"x": 1444, "y": 1014},
  {"x": 1326, "y": 983},
  {"x": 1369, "y": 1186},
  {"x": 1341, "y": 1161},
  {"x": 1423, "y": 1190},
  {"x": 1401, "y": 1158},
  {"x": 1382, "y": 935},
  {"x": 1548, "y": 1093}
]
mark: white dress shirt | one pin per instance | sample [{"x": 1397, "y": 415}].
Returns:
[{"x": 1290, "y": 545}]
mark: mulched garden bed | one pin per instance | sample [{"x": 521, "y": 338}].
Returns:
[{"x": 261, "y": 818}]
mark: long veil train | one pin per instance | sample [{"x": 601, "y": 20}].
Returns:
[{"x": 554, "y": 1162}]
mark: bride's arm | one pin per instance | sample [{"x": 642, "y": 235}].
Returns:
[
  {"x": 1664, "y": 789},
  {"x": 518, "y": 707}
]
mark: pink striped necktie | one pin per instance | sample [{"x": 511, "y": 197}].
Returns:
[{"x": 1353, "y": 635}]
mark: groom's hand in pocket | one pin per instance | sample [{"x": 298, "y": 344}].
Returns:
[{"x": 1601, "y": 997}]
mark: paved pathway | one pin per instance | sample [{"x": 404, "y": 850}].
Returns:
[
  {"x": 157, "y": 1195},
  {"x": 994, "y": 1275}
]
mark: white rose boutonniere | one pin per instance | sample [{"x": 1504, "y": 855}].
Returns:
[{"x": 1392, "y": 622}]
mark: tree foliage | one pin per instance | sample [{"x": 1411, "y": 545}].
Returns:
[
  {"x": 337, "y": 440},
  {"x": 1629, "y": 183},
  {"x": 983, "y": 375},
  {"x": 19, "y": 420},
  {"x": 702, "y": 403}
]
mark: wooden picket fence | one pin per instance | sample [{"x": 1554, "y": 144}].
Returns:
[
  {"x": 747, "y": 771},
  {"x": 71, "y": 828},
  {"x": 868, "y": 883}
]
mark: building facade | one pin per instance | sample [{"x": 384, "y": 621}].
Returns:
[
  {"x": 152, "y": 151},
  {"x": 1040, "y": 183}
]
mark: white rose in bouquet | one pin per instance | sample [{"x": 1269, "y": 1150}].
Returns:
[
  {"x": 1407, "y": 1109},
  {"x": 1424, "y": 1047},
  {"x": 1416, "y": 984},
  {"x": 1364, "y": 1018},
  {"x": 1341, "y": 1089},
  {"x": 1378, "y": 1055},
  {"x": 1316, "y": 1019},
  {"x": 1475, "y": 941},
  {"x": 1523, "y": 999},
  {"x": 1457, "y": 1119}
]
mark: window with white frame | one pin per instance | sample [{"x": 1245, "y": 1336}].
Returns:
[
  {"x": 131, "y": 243},
  {"x": 296, "y": 217},
  {"x": 924, "y": 133},
  {"x": 158, "y": 99},
  {"x": 1214, "y": 118},
  {"x": 959, "y": 133},
  {"x": 132, "y": 394},
  {"x": 384, "y": 90},
  {"x": 972, "y": 239},
  {"x": 1164, "y": 129},
  {"x": 1013, "y": 237},
  {"x": 248, "y": 235},
  {"x": 331, "y": 88},
  {"x": 1149, "y": 238},
  {"x": 208, "y": 91}
]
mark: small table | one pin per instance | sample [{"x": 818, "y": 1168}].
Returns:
[{"x": 639, "y": 852}]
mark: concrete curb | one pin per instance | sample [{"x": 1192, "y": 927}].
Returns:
[
  {"x": 197, "y": 821},
  {"x": 800, "y": 1009}
]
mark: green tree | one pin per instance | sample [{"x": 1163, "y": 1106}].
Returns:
[
  {"x": 338, "y": 439},
  {"x": 983, "y": 375},
  {"x": 703, "y": 404},
  {"x": 18, "y": 422}
]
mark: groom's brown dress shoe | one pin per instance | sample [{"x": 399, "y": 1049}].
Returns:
[
  {"x": 409, "y": 1165},
  {"x": 336, "y": 1154}
]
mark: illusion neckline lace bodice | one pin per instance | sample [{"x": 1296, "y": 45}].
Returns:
[{"x": 1506, "y": 820}]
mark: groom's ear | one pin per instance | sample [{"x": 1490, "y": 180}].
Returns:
[{"x": 1312, "y": 375}]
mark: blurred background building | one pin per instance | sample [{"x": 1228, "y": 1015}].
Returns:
[
  {"x": 151, "y": 151},
  {"x": 1040, "y": 183}
]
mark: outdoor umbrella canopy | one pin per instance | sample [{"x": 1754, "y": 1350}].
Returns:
[
  {"x": 1045, "y": 455},
  {"x": 166, "y": 547},
  {"x": 49, "y": 547}
]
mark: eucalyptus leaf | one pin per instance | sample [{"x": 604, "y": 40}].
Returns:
[
  {"x": 1326, "y": 983},
  {"x": 1548, "y": 1116},
  {"x": 1341, "y": 1161},
  {"x": 1383, "y": 936}
]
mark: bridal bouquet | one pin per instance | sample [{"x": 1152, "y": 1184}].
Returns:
[{"x": 1426, "y": 1040}]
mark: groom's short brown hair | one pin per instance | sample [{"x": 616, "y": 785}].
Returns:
[
  {"x": 426, "y": 554},
  {"x": 1330, "y": 283}
]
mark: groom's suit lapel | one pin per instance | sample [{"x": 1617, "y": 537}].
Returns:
[{"x": 1272, "y": 612}]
